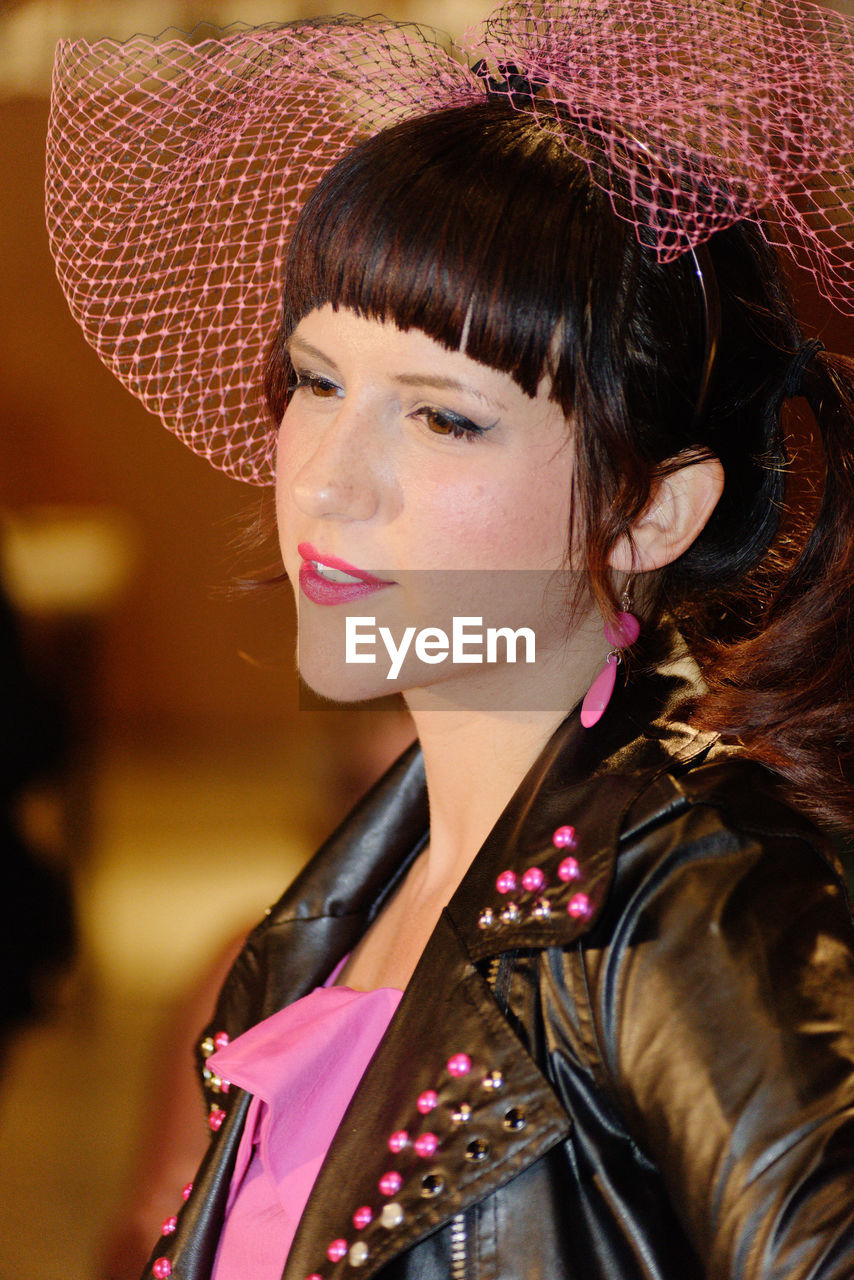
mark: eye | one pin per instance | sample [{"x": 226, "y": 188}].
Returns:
[
  {"x": 319, "y": 386},
  {"x": 444, "y": 423}
]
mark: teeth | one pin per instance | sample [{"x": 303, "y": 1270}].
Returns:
[{"x": 332, "y": 575}]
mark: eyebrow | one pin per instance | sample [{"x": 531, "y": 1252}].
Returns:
[
  {"x": 307, "y": 349},
  {"x": 439, "y": 382}
]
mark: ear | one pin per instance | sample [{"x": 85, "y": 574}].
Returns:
[{"x": 676, "y": 514}]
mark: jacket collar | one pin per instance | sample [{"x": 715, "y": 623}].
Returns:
[
  {"x": 543, "y": 874},
  {"x": 553, "y": 846}
]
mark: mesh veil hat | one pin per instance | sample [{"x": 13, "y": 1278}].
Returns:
[{"x": 176, "y": 170}]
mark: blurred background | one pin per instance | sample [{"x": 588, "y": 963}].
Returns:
[{"x": 160, "y": 783}]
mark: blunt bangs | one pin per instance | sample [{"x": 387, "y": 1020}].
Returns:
[{"x": 463, "y": 224}]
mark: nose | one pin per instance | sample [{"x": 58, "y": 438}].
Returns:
[{"x": 336, "y": 479}]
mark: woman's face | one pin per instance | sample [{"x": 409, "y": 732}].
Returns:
[{"x": 414, "y": 485}]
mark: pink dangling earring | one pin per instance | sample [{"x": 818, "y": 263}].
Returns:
[{"x": 622, "y": 634}]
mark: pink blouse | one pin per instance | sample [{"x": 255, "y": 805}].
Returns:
[{"x": 302, "y": 1066}]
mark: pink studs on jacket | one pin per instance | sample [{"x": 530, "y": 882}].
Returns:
[
  {"x": 506, "y": 882},
  {"x": 390, "y": 1183},
  {"x": 534, "y": 881},
  {"x": 426, "y": 1145},
  {"x": 564, "y": 838},
  {"x": 454, "y": 1113},
  {"x": 216, "y": 1118}
]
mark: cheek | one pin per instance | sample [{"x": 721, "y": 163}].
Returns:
[{"x": 518, "y": 519}]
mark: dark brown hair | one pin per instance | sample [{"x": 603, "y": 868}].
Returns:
[{"x": 477, "y": 220}]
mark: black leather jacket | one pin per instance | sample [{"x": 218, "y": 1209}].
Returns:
[{"x": 660, "y": 1080}]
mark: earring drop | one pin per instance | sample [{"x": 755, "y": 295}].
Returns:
[{"x": 621, "y": 634}]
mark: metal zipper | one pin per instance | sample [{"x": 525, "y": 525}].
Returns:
[
  {"x": 459, "y": 1243},
  {"x": 492, "y": 974},
  {"x": 458, "y": 1247}
]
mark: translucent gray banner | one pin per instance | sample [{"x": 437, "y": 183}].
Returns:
[{"x": 484, "y": 639}]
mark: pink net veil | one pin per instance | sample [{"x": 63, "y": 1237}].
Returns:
[{"x": 175, "y": 170}]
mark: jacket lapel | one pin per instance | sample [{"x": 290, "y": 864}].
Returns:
[
  {"x": 316, "y": 922},
  {"x": 468, "y": 1107},
  {"x": 330, "y": 904}
]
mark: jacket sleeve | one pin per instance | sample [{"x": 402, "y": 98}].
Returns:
[{"x": 722, "y": 1011}]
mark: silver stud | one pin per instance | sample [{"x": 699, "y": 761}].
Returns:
[
  {"x": 542, "y": 909},
  {"x": 515, "y": 1119},
  {"x": 486, "y": 919},
  {"x": 432, "y": 1185},
  {"x": 207, "y": 1046},
  {"x": 511, "y": 913},
  {"x": 216, "y": 1084},
  {"x": 493, "y": 1080},
  {"x": 462, "y": 1115},
  {"x": 358, "y": 1254},
  {"x": 392, "y": 1215},
  {"x": 477, "y": 1149}
]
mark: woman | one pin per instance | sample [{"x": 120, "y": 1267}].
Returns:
[{"x": 570, "y": 992}]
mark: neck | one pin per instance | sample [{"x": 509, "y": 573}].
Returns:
[
  {"x": 473, "y": 764},
  {"x": 474, "y": 759}
]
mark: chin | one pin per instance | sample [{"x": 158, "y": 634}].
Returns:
[{"x": 326, "y": 676}]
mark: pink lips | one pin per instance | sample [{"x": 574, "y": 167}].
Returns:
[{"x": 321, "y": 591}]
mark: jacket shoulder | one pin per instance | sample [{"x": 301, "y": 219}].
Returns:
[
  {"x": 718, "y": 1018},
  {"x": 738, "y": 794}
]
